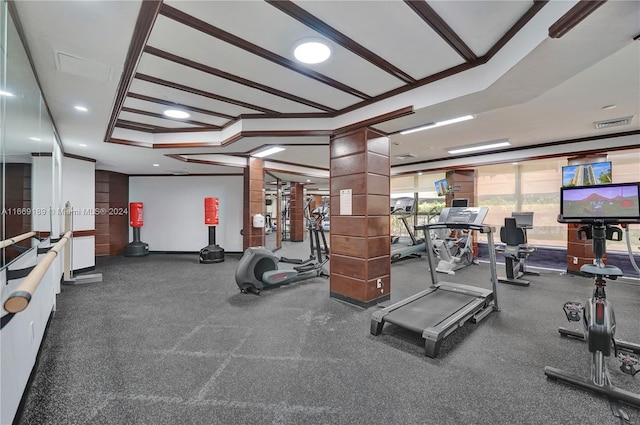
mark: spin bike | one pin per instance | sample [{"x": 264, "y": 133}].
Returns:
[{"x": 597, "y": 315}]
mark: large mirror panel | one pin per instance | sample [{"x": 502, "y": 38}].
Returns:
[{"x": 28, "y": 147}]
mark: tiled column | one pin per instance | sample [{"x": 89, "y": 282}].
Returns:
[
  {"x": 360, "y": 248},
  {"x": 253, "y": 203},
  {"x": 296, "y": 219}
]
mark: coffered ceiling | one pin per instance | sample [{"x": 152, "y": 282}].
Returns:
[{"x": 531, "y": 72}]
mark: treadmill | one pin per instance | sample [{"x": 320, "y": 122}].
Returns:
[
  {"x": 438, "y": 311},
  {"x": 403, "y": 207}
]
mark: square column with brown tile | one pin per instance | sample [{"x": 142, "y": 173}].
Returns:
[
  {"x": 253, "y": 203},
  {"x": 297, "y": 225},
  {"x": 360, "y": 229},
  {"x": 463, "y": 185}
]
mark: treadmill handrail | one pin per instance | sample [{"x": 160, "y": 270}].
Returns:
[{"x": 482, "y": 228}]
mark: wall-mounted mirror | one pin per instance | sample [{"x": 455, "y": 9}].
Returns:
[
  {"x": 272, "y": 212},
  {"x": 29, "y": 150}
]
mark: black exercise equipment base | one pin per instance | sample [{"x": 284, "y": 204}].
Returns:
[{"x": 609, "y": 391}]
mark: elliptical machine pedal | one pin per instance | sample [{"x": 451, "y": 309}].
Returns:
[
  {"x": 630, "y": 363},
  {"x": 572, "y": 310}
]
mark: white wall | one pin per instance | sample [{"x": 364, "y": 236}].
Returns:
[
  {"x": 79, "y": 187},
  {"x": 20, "y": 339},
  {"x": 174, "y": 211},
  {"x": 41, "y": 193}
]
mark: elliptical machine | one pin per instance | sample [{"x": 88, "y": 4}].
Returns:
[
  {"x": 600, "y": 209},
  {"x": 454, "y": 247},
  {"x": 258, "y": 267}
]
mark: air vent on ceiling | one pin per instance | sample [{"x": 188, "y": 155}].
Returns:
[
  {"x": 405, "y": 156},
  {"x": 613, "y": 123},
  {"x": 82, "y": 67}
]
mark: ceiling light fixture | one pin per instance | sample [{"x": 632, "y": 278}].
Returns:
[
  {"x": 156, "y": 165},
  {"x": 437, "y": 124},
  {"x": 312, "y": 51},
  {"x": 35, "y": 139},
  {"x": 6, "y": 93},
  {"x": 176, "y": 113},
  {"x": 82, "y": 145},
  {"x": 609, "y": 107},
  {"x": 267, "y": 152},
  {"x": 80, "y": 108},
  {"x": 481, "y": 147}
]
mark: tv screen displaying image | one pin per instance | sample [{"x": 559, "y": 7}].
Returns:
[
  {"x": 615, "y": 203},
  {"x": 442, "y": 188},
  {"x": 586, "y": 174}
]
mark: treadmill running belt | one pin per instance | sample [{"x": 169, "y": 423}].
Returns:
[{"x": 428, "y": 311}]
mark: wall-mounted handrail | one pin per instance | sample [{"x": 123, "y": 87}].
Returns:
[
  {"x": 16, "y": 239},
  {"x": 20, "y": 298}
]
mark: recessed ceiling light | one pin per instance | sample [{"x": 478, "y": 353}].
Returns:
[
  {"x": 156, "y": 165},
  {"x": 82, "y": 145},
  {"x": 312, "y": 51},
  {"x": 6, "y": 93},
  {"x": 80, "y": 108},
  {"x": 267, "y": 152},
  {"x": 176, "y": 113},
  {"x": 420, "y": 173},
  {"x": 35, "y": 139},
  {"x": 308, "y": 181}
]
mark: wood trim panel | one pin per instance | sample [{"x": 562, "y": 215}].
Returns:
[
  {"x": 164, "y": 117},
  {"x": 424, "y": 11},
  {"x": 539, "y": 145},
  {"x": 84, "y": 233},
  {"x": 573, "y": 17},
  {"x": 78, "y": 157},
  {"x": 146, "y": 18},
  {"x": 336, "y": 36},
  {"x": 529, "y": 14},
  {"x": 235, "y": 78},
  {"x": 181, "y": 106},
  {"x": 130, "y": 143},
  {"x": 220, "y": 34},
  {"x": 193, "y": 90},
  {"x": 402, "y": 112}
]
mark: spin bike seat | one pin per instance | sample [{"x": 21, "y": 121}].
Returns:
[{"x": 594, "y": 270}]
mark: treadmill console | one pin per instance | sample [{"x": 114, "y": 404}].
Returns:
[
  {"x": 402, "y": 205},
  {"x": 463, "y": 215}
]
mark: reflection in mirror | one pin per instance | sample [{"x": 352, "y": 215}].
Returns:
[
  {"x": 27, "y": 142},
  {"x": 271, "y": 213}
]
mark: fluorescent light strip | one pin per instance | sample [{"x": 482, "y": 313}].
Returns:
[
  {"x": 6, "y": 93},
  {"x": 437, "y": 124},
  {"x": 267, "y": 152},
  {"x": 492, "y": 145}
]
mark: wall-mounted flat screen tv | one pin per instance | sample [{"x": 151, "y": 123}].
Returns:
[
  {"x": 442, "y": 188},
  {"x": 611, "y": 203},
  {"x": 586, "y": 174}
]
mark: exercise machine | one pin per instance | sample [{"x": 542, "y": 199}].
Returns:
[
  {"x": 258, "y": 267},
  {"x": 600, "y": 209},
  {"x": 400, "y": 249},
  {"x": 516, "y": 249},
  {"x": 453, "y": 247},
  {"x": 445, "y": 306},
  {"x": 315, "y": 225}
]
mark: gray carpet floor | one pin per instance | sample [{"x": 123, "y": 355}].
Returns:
[{"x": 165, "y": 340}]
